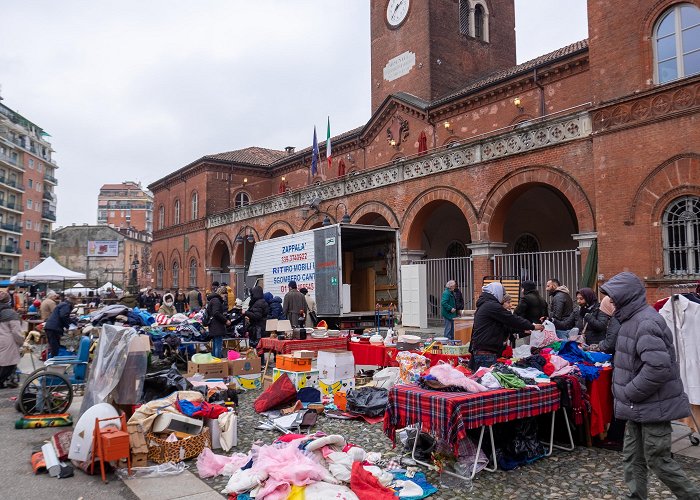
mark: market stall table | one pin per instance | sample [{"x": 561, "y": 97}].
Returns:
[
  {"x": 380, "y": 355},
  {"x": 450, "y": 414},
  {"x": 310, "y": 344}
]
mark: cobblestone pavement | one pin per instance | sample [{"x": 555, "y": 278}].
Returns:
[{"x": 585, "y": 473}]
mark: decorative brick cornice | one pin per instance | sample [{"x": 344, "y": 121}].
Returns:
[
  {"x": 526, "y": 138},
  {"x": 179, "y": 230}
]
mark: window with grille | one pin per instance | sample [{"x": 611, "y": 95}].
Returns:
[
  {"x": 677, "y": 43},
  {"x": 681, "y": 237},
  {"x": 176, "y": 275},
  {"x": 464, "y": 17},
  {"x": 159, "y": 276},
  {"x": 193, "y": 273}
]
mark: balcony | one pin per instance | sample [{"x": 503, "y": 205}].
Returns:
[
  {"x": 47, "y": 235},
  {"x": 48, "y": 216},
  {"x": 11, "y": 205},
  {"x": 44, "y": 254},
  {"x": 10, "y": 249},
  {"x": 14, "y": 228},
  {"x": 48, "y": 195},
  {"x": 11, "y": 183},
  {"x": 7, "y": 271},
  {"x": 51, "y": 179},
  {"x": 13, "y": 162}
]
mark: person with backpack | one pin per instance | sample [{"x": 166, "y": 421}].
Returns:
[
  {"x": 217, "y": 321},
  {"x": 532, "y": 306}
]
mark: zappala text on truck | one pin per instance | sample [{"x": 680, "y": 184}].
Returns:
[{"x": 347, "y": 268}]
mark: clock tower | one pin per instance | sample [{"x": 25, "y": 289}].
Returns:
[{"x": 430, "y": 48}]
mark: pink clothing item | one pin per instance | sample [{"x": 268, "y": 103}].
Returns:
[
  {"x": 209, "y": 464},
  {"x": 448, "y": 375},
  {"x": 291, "y": 465},
  {"x": 274, "y": 490}
]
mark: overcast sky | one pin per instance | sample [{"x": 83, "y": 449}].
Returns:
[{"x": 134, "y": 89}]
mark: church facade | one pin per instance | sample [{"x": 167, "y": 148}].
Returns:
[{"x": 578, "y": 164}]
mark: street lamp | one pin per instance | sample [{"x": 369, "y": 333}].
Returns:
[
  {"x": 345, "y": 219},
  {"x": 249, "y": 238}
]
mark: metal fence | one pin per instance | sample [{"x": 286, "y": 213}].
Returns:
[
  {"x": 439, "y": 272},
  {"x": 540, "y": 266}
]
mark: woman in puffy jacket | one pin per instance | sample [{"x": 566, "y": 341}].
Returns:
[
  {"x": 275, "y": 307},
  {"x": 257, "y": 315},
  {"x": 590, "y": 317}
]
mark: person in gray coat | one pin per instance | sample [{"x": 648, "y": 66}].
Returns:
[
  {"x": 294, "y": 305},
  {"x": 647, "y": 388}
]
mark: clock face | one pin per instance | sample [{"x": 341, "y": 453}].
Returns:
[{"x": 396, "y": 12}]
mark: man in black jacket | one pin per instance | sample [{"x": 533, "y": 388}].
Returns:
[
  {"x": 59, "y": 320},
  {"x": 257, "y": 315},
  {"x": 561, "y": 308},
  {"x": 218, "y": 321},
  {"x": 532, "y": 306},
  {"x": 493, "y": 324}
]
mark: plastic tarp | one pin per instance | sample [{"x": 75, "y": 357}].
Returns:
[
  {"x": 108, "y": 366},
  {"x": 48, "y": 270}
]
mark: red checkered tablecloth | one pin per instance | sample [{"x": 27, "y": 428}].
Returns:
[
  {"x": 448, "y": 415},
  {"x": 287, "y": 346}
]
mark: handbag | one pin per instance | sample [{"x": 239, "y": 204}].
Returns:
[{"x": 314, "y": 318}]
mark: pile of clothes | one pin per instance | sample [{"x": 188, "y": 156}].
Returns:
[{"x": 313, "y": 466}]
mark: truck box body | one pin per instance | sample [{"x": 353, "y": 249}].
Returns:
[{"x": 323, "y": 259}]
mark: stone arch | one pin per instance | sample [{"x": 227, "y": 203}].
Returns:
[
  {"x": 314, "y": 220},
  {"x": 493, "y": 209},
  {"x": 453, "y": 139},
  {"x": 374, "y": 208},
  {"x": 175, "y": 256},
  {"x": 678, "y": 172},
  {"x": 217, "y": 249},
  {"x": 277, "y": 227},
  {"x": 411, "y": 223}
]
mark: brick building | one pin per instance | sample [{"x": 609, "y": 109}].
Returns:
[
  {"x": 27, "y": 198},
  {"x": 125, "y": 205},
  {"x": 572, "y": 164}
]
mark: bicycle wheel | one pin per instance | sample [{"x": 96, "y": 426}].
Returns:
[{"x": 44, "y": 393}]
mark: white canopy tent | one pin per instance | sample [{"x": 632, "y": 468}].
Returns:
[
  {"x": 78, "y": 288},
  {"x": 48, "y": 270},
  {"x": 105, "y": 288}
]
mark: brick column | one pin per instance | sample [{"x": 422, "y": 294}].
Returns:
[{"x": 482, "y": 262}]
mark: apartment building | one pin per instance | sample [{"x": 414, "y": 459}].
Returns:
[
  {"x": 125, "y": 205},
  {"x": 27, "y": 197}
]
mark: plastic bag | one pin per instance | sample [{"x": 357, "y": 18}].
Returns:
[
  {"x": 162, "y": 470},
  {"x": 163, "y": 383},
  {"x": 370, "y": 401},
  {"x": 545, "y": 337}
]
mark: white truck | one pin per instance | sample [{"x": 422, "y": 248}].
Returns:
[{"x": 351, "y": 271}]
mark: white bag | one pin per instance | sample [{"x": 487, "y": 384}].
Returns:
[{"x": 545, "y": 337}]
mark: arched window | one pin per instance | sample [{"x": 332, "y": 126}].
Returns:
[
  {"x": 195, "y": 206},
  {"x": 242, "y": 199},
  {"x": 479, "y": 19},
  {"x": 463, "y": 17},
  {"x": 176, "y": 219},
  {"x": 193, "y": 273},
  {"x": 159, "y": 276},
  {"x": 677, "y": 43},
  {"x": 161, "y": 217},
  {"x": 681, "y": 237},
  {"x": 456, "y": 249},
  {"x": 176, "y": 275}
]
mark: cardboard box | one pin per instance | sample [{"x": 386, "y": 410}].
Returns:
[
  {"x": 208, "y": 370},
  {"x": 292, "y": 364},
  {"x": 304, "y": 354},
  {"x": 299, "y": 379},
  {"x": 330, "y": 387},
  {"x": 139, "y": 459},
  {"x": 334, "y": 366},
  {"x": 244, "y": 366},
  {"x": 137, "y": 438}
]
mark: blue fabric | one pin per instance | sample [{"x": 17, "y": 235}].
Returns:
[
  {"x": 217, "y": 344},
  {"x": 188, "y": 407},
  {"x": 309, "y": 395},
  {"x": 449, "y": 329},
  {"x": 420, "y": 480},
  {"x": 599, "y": 357},
  {"x": 589, "y": 372}
]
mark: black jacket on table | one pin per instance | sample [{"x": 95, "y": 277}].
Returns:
[
  {"x": 60, "y": 317},
  {"x": 258, "y": 310},
  {"x": 532, "y": 306},
  {"x": 493, "y": 325},
  {"x": 215, "y": 306},
  {"x": 594, "y": 321}
]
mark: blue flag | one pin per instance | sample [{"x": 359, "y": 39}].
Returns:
[{"x": 314, "y": 155}]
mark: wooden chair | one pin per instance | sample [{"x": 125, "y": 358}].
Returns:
[{"x": 110, "y": 444}]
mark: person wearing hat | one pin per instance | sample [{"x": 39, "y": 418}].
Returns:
[
  {"x": 532, "y": 306},
  {"x": 48, "y": 305},
  {"x": 11, "y": 339},
  {"x": 59, "y": 320},
  {"x": 294, "y": 305},
  {"x": 168, "y": 305},
  {"x": 493, "y": 325}
]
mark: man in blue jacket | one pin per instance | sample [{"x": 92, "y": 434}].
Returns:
[
  {"x": 647, "y": 388},
  {"x": 59, "y": 320}
]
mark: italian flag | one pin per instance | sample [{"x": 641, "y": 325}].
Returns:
[{"x": 328, "y": 143}]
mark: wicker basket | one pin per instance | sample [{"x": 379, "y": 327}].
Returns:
[{"x": 458, "y": 350}]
